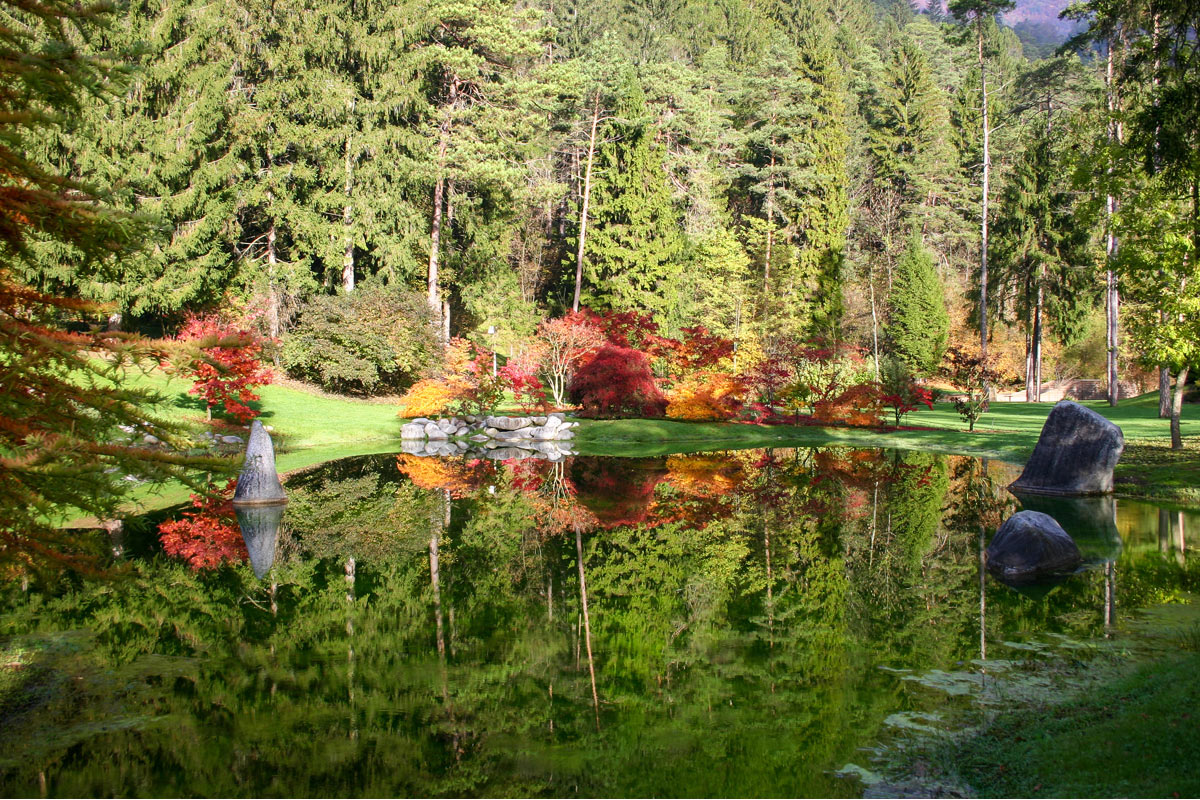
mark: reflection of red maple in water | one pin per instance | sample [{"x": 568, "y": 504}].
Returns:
[
  {"x": 619, "y": 491},
  {"x": 207, "y": 536}
]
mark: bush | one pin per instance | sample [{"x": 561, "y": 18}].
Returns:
[
  {"x": 374, "y": 340},
  {"x": 617, "y": 382},
  {"x": 706, "y": 396},
  {"x": 859, "y": 406}
]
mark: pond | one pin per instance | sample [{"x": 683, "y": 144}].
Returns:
[{"x": 716, "y": 624}]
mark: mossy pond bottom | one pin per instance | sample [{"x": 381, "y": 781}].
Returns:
[{"x": 718, "y": 624}]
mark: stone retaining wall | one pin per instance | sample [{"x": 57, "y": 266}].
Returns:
[{"x": 493, "y": 437}]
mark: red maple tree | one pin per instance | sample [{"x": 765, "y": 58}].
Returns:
[
  {"x": 208, "y": 535},
  {"x": 617, "y": 382},
  {"x": 233, "y": 367}
]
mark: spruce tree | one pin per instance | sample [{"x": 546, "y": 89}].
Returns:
[
  {"x": 919, "y": 326},
  {"x": 634, "y": 252}
]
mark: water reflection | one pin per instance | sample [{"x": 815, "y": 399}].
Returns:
[{"x": 709, "y": 624}]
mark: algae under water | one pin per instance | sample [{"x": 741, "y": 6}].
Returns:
[{"x": 714, "y": 624}]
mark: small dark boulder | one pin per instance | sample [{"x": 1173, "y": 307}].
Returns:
[
  {"x": 258, "y": 482},
  {"x": 1075, "y": 453},
  {"x": 1031, "y": 545}
]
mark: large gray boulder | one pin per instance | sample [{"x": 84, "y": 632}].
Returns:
[
  {"x": 412, "y": 430},
  {"x": 1075, "y": 454},
  {"x": 258, "y": 483},
  {"x": 1031, "y": 545},
  {"x": 508, "y": 423}
]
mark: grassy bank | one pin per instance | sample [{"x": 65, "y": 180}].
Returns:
[
  {"x": 310, "y": 427},
  {"x": 1122, "y": 723},
  {"x": 1009, "y": 431},
  {"x": 1137, "y": 737}
]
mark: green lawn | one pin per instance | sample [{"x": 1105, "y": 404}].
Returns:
[
  {"x": 310, "y": 427},
  {"x": 1136, "y": 737}
]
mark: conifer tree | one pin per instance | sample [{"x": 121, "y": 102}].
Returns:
[
  {"x": 919, "y": 327},
  {"x": 634, "y": 252},
  {"x": 61, "y": 393}
]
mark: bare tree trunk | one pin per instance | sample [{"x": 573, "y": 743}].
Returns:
[
  {"x": 770, "y": 222},
  {"x": 1177, "y": 408},
  {"x": 272, "y": 289},
  {"x": 1164, "y": 387},
  {"x": 348, "y": 223},
  {"x": 587, "y": 195},
  {"x": 1037, "y": 338},
  {"x": 983, "y": 217},
  {"x": 1112, "y": 297},
  {"x": 874, "y": 319},
  {"x": 439, "y": 192}
]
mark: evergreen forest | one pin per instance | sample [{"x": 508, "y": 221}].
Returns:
[{"x": 345, "y": 175}]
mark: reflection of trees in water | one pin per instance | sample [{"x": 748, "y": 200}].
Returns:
[{"x": 734, "y": 632}]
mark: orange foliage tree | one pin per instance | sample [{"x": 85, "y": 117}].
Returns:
[
  {"x": 706, "y": 396},
  {"x": 859, "y": 406}
]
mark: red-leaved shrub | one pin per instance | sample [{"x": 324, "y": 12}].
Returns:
[
  {"x": 208, "y": 535},
  {"x": 617, "y": 382},
  {"x": 228, "y": 382}
]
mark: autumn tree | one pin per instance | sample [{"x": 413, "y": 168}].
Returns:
[
  {"x": 228, "y": 377},
  {"x": 566, "y": 342},
  {"x": 62, "y": 394}
]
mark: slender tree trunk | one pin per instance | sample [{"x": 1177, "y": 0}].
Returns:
[
  {"x": 1112, "y": 296},
  {"x": 439, "y": 192},
  {"x": 1164, "y": 386},
  {"x": 983, "y": 217},
  {"x": 587, "y": 196},
  {"x": 1037, "y": 336},
  {"x": 770, "y": 222},
  {"x": 348, "y": 222},
  {"x": 272, "y": 288},
  {"x": 1177, "y": 408},
  {"x": 874, "y": 319}
]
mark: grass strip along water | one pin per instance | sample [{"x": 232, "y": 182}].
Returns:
[{"x": 311, "y": 427}]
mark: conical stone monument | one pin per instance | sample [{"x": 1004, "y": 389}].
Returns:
[
  {"x": 259, "y": 500},
  {"x": 258, "y": 483}
]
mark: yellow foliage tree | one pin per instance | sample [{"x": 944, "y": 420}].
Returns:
[
  {"x": 430, "y": 397},
  {"x": 705, "y": 396}
]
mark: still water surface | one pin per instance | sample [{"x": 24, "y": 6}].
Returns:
[{"x": 728, "y": 624}]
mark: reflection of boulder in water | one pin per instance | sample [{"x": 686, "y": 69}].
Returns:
[
  {"x": 1030, "y": 546},
  {"x": 260, "y": 529},
  {"x": 492, "y": 449},
  {"x": 1090, "y": 521}
]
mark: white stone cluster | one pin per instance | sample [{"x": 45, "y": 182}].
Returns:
[{"x": 499, "y": 438}]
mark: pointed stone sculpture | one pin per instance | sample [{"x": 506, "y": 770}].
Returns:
[
  {"x": 258, "y": 483},
  {"x": 1074, "y": 455},
  {"x": 259, "y": 500}
]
